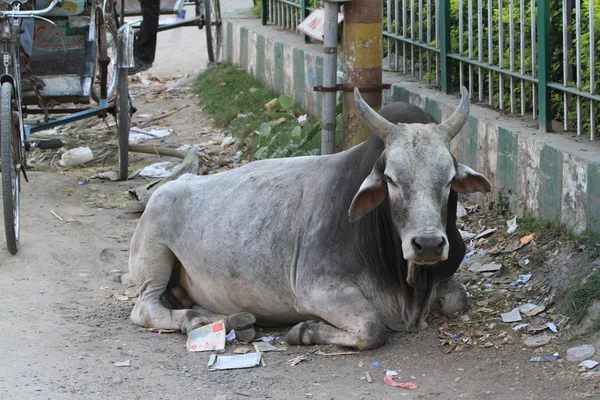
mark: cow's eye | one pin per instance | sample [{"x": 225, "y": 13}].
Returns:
[{"x": 388, "y": 179}]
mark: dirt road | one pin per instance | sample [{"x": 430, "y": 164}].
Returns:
[{"x": 62, "y": 329}]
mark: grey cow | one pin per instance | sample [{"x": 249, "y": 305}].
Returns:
[{"x": 344, "y": 246}]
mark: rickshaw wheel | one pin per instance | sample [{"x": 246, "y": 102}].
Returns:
[
  {"x": 212, "y": 22},
  {"x": 110, "y": 19},
  {"x": 123, "y": 115},
  {"x": 9, "y": 155}
]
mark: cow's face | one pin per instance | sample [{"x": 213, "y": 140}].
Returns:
[{"x": 416, "y": 172}]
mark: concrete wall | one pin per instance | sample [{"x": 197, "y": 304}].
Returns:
[{"x": 550, "y": 176}]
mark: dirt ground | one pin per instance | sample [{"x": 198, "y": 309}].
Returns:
[{"x": 63, "y": 330}]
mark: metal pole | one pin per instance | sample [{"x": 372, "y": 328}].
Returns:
[
  {"x": 545, "y": 115},
  {"x": 445, "y": 44},
  {"x": 329, "y": 77},
  {"x": 363, "y": 53}
]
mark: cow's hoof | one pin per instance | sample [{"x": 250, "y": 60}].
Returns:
[
  {"x": 240, "y": 321},
  {"x": 296, "y": 334},
  {"x": 245, "y": 335}
]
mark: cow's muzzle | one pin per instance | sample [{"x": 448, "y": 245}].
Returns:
[{"x": 428, "y": 249}]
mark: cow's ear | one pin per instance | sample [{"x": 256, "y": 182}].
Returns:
[
  {"x": 371, "y": 193},
  {"x": 468, "y": 181}
]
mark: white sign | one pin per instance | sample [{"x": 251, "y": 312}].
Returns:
[{"x": 314, "y": 24}]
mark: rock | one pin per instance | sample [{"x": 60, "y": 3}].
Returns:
[{"x": 108, "y": 255}]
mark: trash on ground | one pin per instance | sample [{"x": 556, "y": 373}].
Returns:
[
  {"x": 537, "y": 341},
  {"x": 512, "y": 316},
  {"x": 489, "y": 267},
  {"x": 391, "y": 373},
  {"x": 242, "y": 350},
  {"x": 76, "y": 156},
  {"x": 297, "y": 360},
  {"x": 268, "y": 339},
  {"x": 123, "y": 363},
  {"x": 110, "y": 175},
  {"x": 271, "y": 104},
  {"x": 207, "y": 338},
  {"x": 552, "y": 327},
  {"x": 485, "y": 233},
  {"x": 56, "y": 215},
  {"x": 139, "y": 134},
  {"x": 126, "y": 279},
  {"x": 228, "y": 141},
  {"x": 525, "y": 308},
  {"x": 368, "y": 376},
  {"x": 218, "y": 362},
  {"x": 85, "y": 181},
  {"x": 340, "y": 353},
  {"x": 120, "y": 297},
  {"x": 524, "y": 278},
  {"x": 537, "y": 328},
  {"x": 158, "y": 170},
  {"x": 512, "y": 225},
  {"x": 552, "y": 358},
  {"x": 580, "y": 353},
  {"x": 589, "y": 364},
  {"x": 466, "y": 235},
  {"x": 302, "y": 119},
  {"x": 526, "y": 239},
  {"x": 461, "y": 211},
  {"x": 519, "y": 327},
  {"x": 389, "y": 380},
  {"x": 264, "y": 347},
  {"x": 159, "y": 330},
  {"x": 375, "y": 363},
  {"x": 230, "y": 337},
  {"x": 535, "y": 311}
]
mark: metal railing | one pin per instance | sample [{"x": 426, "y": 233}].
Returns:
[{"x": 528, "y": 57}]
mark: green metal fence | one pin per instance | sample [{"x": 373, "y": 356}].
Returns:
[{"x": 535, "y": 58}]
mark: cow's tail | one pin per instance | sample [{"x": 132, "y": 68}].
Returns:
[{"x": 168, "y": 299}]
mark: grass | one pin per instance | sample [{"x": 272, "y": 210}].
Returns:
[
  {"x": 236, "y": 101},
  {"x": 555, "y": 229},
  {"x": 580, "y": 294}
]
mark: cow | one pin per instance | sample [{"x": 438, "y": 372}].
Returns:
[{"x": 344, "y": 247}]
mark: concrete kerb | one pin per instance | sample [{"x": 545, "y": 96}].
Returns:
[{"x": 546, "y": 175}]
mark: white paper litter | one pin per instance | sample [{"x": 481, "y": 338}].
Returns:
[
  {"x": 217, "y": 362},
  {"x": 513, "y": 316},
  {"x": 588, "y": 364},
  {"x": 512, "y": 225},
  {"x": 519, "y": 327},
  {"x": 123, "y": 364},
  {"x": 525, "y": 308},
  {"x": 207, "y": 338},
  {"x": 158, "y": 170},
  {"x": 523, "y": 278},
  {"x": 391, "y": 373},
  {"x": 461, "y": 211},
  {"x": 137, "y": 134}
]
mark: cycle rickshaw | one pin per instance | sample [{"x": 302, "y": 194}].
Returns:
[{"x": 82, "y": 50}]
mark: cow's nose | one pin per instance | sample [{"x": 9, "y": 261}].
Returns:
[{"x": 428, "y": 246}]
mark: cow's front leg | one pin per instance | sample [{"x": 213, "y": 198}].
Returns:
[{"x": 348, "y": 319}]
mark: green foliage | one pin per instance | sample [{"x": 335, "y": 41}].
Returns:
[
  {"x": 270, "y": 126},
  {"x": 511, "y": 26},
  {"x": 581, "y": 293}
]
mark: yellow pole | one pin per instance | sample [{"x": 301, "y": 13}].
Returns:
[{"x": 363, "y": 51}]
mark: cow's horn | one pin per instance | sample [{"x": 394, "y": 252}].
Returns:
[
  {"x": 455, "y": 122},
  {"x": 378, "y": 125}
]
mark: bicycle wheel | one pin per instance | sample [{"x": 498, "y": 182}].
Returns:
[
  {"x": 123, "y": 116},
  {"x": 10, "y": 162},
  {"x": 212, "y": 21},
  {"x": 107, "y": 14}
]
